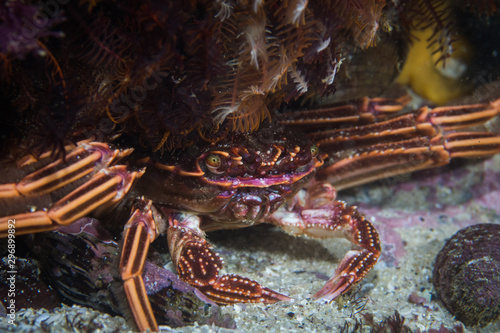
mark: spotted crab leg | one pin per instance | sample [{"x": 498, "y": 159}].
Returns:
[
  {"x": 316, "y": 213},
  {"x": 141, "y": 229},
  {"x": 198, "y": 265},
  {"x": 407, "y": 143},
  {"x": 103, "y": 186}
]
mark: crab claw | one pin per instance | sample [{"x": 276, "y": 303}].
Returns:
[
  {"x": 356, "y": 263},
  {"x": 197, "y": 264},
  {"x": 352, "y": 269},
  {"x": 316, "y": 214},
  {"x": 231, "y": 288}
]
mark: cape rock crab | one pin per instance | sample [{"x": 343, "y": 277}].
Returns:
[{"x": 267, "y": 176}]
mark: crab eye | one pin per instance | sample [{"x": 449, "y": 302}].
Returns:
[
  {"x": 314, "y": 150},
  {"x": 214, "y": 163}
]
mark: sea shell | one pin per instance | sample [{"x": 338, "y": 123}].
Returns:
[{"x": 467, "y": 274}]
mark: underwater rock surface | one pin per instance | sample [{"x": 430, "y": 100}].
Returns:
[{"x": 466, "y": 274}]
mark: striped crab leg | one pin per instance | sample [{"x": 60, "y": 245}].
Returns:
[
  {"x": 362, "y": 111},
  {"x": 195, "y": 261},
  {"x": 387, "y": 160},
  {"x": 142, "y": 229},
  {"x": 406, "y": 143},
  {"x": 103, "y": 186}
]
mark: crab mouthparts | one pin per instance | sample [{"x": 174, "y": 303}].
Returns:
[{"x": 261, "y": 181}]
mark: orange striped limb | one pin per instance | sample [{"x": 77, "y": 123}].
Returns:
[
  {"x": 30, "y": 159},
  {"x": 425, "y": 122},
  {"x": 27, "y": 223},
  {"x": 197, "y": 264},
  {"x": 365, "y": 110},
  {"x": 460, "y": 116},
  {"x": 358, "y": 137},
  {"x": 405, "y": 156},
  {"x": 84, "y": 159},
  {"x": 103, "y": 190},
  {"x": 140, "y": 230},
  {"x": 415, "y": 141},
  {"x": 471, "y": 144}
]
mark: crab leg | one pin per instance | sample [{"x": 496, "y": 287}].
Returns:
[
  {"x": 387, "y": 160},
  {"x": 422, "y": 123},
  {"x": 102, "y": 189},
  {"x": 315, "y": 213},
  {"x": 365, "y": 110},
  {"x": 198, "y": 265},
  {"x": 407, "y": 143},
  {"x": 79, "y": 162},
  {"x": 140, "y": 230}
]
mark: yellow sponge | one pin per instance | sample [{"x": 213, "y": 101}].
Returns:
[{"x": 433, "y": 81}]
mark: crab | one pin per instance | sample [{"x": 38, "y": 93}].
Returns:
[{"x": 272, "y": 176}]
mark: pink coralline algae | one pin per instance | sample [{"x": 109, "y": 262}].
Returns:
[{"x": 467, "y": 274}]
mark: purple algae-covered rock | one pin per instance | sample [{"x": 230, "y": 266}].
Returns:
[
  {"x": 24, "y": 287},
  {"x": 467, "y": 274}
]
